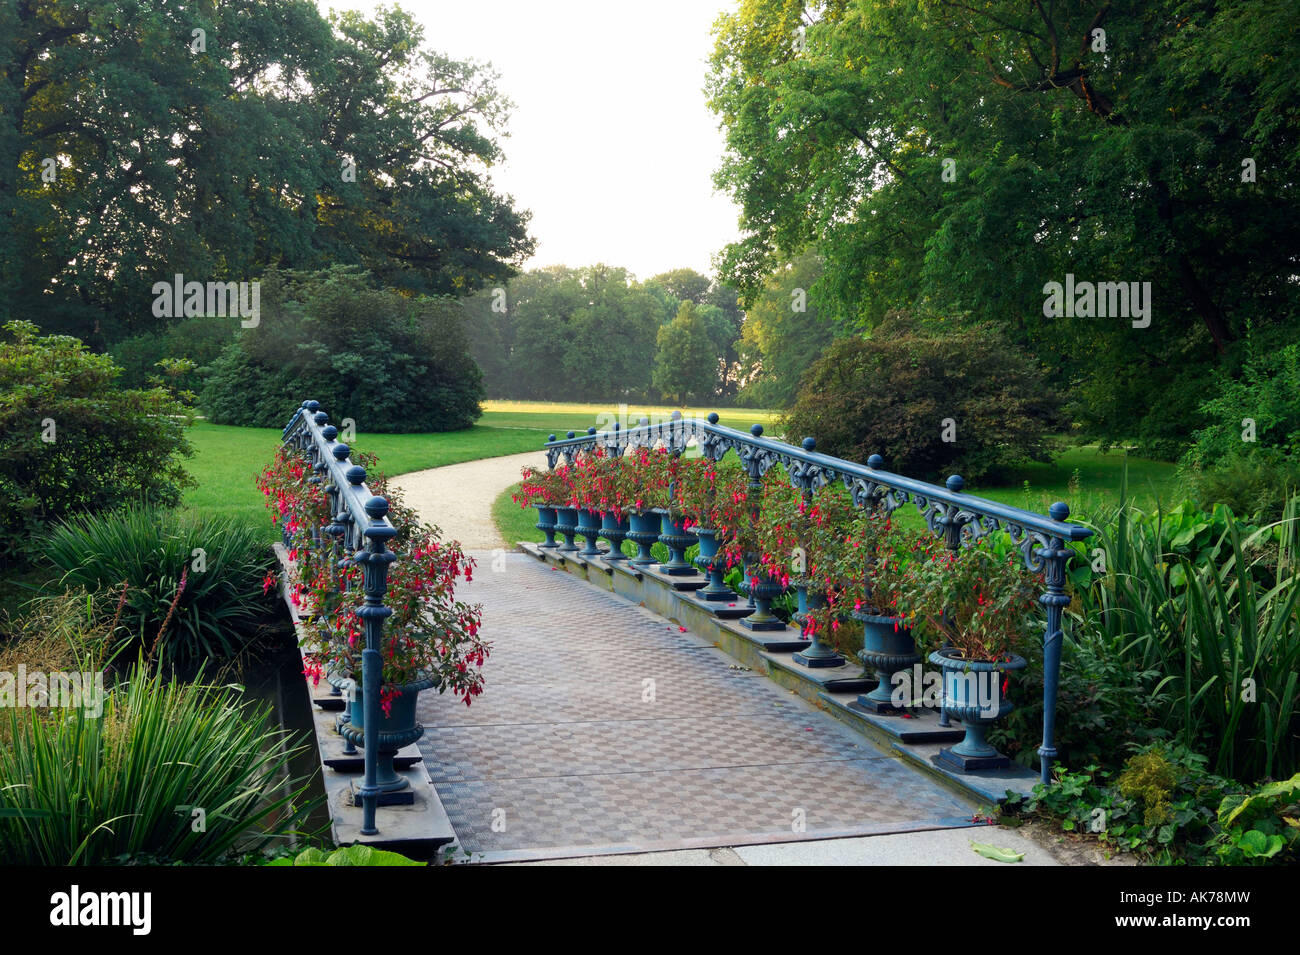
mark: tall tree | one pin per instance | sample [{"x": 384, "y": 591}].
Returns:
[
  {"x": 963, "y": 155},
  {"x": 143, "y": 138},
  {"x": 685, "y": 363}
]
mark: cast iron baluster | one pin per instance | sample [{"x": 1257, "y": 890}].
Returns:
[
  {"x": 1055, "y": 599},
  {"x": 817, "y": 654}
]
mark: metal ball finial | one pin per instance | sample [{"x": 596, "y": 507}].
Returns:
[
  {"x": 1059, "y": 511},
  {"x": 955, "y": 483},
  {"x": 356, "y": 475},
  {"x": 376, "y": 508},
  {"x": 591, "y": 430},
  {"x": 875, "y": 462},
  {"x": 329, "y": 432},
  {"x": 713, "y": 417},
  {"x": 340, "y": 451},
  {"x": 810, "y": 444},
  {"x": 320, "y": 417},
  {"x": 551, "y": 438},
  {"x": 571, "y": 435},
  {"x": 756, "y": 430}
]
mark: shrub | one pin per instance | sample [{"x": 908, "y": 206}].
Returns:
[
  {"x": 1163, "y": 805},
  {"x": 1256, "y": 484},
  {"x": 200, "y": 340},
  {"x": 109, "y": 446},
  {"x": 80, "y": 789},
  {"x": 397, "y": 363},
  {"x": 891, "y": 393},
  {"x": 1210, "y": 606},
  {"x": 1265, "y": 399},
  {"x": 221, "y": 561}
]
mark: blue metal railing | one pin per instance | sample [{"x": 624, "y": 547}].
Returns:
[
  {"x": 959, "y": 518},
  {"x": 360, "y": 528}
]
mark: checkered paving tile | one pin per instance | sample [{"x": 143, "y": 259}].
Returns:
[{"x": 603, "y": 727}]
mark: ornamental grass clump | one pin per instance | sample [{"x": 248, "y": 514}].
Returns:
[
  {"x": 193, "y": 582},
  {"x": 80, "y": 787}
]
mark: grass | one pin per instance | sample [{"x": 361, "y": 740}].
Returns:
[{"x": 227, "y": 459}]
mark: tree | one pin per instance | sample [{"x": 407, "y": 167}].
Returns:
[
  {"x": 685, "y": 363},
  {"x": 783, "y": 334},
  {"x": 961, "y": 156},
  {"x": 389, "y": 362},
  {"x": 141, "y": 139},
  {"x": 685, "y": 285}
]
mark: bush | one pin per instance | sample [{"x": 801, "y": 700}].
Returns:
[
  {"x": 1210, "y": 607},
  {"x": 109, "y": 446},
  {"x": 1256, "y": 484},
  {"x": 223, "y": 562},
  {"x": 1265, "y": 399},
  {"x": 398, "y": 364},
  {"x": 890, "y": 395},
  {"x": 1163, "y": 805},
  {"x": 200, "y": 340},
  {"x": 84, "y": 789}
]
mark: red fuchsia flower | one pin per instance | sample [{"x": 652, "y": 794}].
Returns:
[{"x": 268, "y": 581}]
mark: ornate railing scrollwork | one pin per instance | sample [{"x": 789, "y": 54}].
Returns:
[{"x": 959, "y": 518}]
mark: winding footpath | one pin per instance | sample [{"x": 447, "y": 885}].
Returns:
[{"x": 609, "y": 735}]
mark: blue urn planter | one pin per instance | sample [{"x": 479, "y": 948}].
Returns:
[
  {"x": 566, "y": 524},
  {"x": 762, "y": 589},
  {"x": 710, "y": 561},
  {"x": 546, "y": 524},
  {"x": 400, "y": 728},
  {"x": 589, "y": 527},
  {"x": 888, "y": 648},
  {"x": 676, "y": 538},
  {"x": 614, "y": 529},
  {"x": 972, "y": 694},
  {"x": 816, "y": 654},
  {"x": 644, "y": 532}
]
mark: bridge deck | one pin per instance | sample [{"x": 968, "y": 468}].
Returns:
[{"x": 603, "y": 728}]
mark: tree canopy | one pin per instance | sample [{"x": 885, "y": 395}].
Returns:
[
  {"x": 141, "y": 138},
  {"x": 959, "y": 156}
]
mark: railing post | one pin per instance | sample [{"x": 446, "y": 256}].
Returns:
[
  {"x": 1055, "y": 599},
  {"x": 375, "y": 559}
]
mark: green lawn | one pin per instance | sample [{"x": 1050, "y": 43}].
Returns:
[
  {"x": 557, "y": 417},
  {"x": 227, "y": 459}
]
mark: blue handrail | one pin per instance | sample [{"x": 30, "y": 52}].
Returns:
[
  {"x": 959, "y": 518},
  {"x": 360, "y": 522}
]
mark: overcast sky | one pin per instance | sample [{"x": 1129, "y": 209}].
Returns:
[{"x": 611, "y": 144}]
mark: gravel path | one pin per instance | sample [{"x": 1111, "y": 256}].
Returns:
[{"x": 458, "y": 497}]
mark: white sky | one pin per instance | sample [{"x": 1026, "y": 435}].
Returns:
[{"x": 611, "y": 144}]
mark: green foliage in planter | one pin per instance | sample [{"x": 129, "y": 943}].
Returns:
[
  {"x": 890, "y": 395},
  {"x": 81, "y": 789},
  {"x": 394, "y": 363},
  {"x": 223, "y": 561},
  {"x": 72, "y": 441}
]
